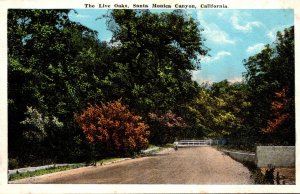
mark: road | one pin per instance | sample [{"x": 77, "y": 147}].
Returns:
[{"x": 198, "y": 165}]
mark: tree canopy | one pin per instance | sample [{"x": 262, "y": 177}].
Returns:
[
  {"x": 59, "y": 72},
  {"x": 57, "y": 67},
  {"x": 271, "y": 79}
]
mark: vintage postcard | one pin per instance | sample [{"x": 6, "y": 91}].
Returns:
[{"x": 149, "y": 97}]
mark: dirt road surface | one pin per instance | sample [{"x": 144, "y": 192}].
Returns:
[{"x": 198, "y": 165}]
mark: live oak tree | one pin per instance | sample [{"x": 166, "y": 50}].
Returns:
[
  {"x": 56, "y": 67},
  {"x": 261, "y": 109},
  {"x": 52, "y": 67},
  {"x": 271, "y": 79},
  {"x": 220, "y": 111},
  {"x": 31, "y": 36},
  {"x": 157, "y": 53},
  {"x": 154, "y": 60}
]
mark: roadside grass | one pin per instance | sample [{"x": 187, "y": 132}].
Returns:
[
  {"x": 23, "y": 175},
  {"x": 168, "y": 145},
  {"x": 151, "y": 146},
  {"x": 50, "y": 170},
  {"x": 150, "y": 152},
  {"x": 107, "y": 160}
]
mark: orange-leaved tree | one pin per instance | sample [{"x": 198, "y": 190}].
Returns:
[
  {"x": 282, "y": 118},
  {"x": 114, "y": 126}
]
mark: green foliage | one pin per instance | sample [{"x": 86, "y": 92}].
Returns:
[
  {"x": 258, "y": 177},
  {"x": 269, "y": 73},
  {"x": 17, "y": 176},
  {"x": 40, "y": 124},
  {"x": 221, "y": 109},
  {"x": 157, "y": 52},
  {"x": 57, "y": 67},
  {"x": 169, "y": 145},
  {"x": 13, "y": 163},
  {"x": 48, "y": 70}
]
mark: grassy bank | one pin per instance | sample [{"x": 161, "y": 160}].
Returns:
[{"x": 23, "y": 175}]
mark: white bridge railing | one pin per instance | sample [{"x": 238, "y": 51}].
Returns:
[{"x": 191, "y": 143}]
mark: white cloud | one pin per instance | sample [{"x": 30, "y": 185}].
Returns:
[
  {"x": 255, "y": 48},
  {"x": 202, "y": 77},
  {"x": 200, "y": 15},
  {"x": 222, "y": 54},
  {"x": 74, "y": 15},
  {"x": 221, "y": 13},
  {"x": 235, "y": 80},
  {"x": 81, "y": 16},
  {"x": 205, "y": 78},
  {"x": 213, "y": 33},
  {"x": 217, "y": 57},
  {"x": 224, "y": 14},
  {"x": 273, "y": 32},
  {"x": 208, "y": 82},
  {"x": 247, "y": 27}
]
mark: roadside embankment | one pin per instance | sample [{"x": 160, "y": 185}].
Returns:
[
  {"x": 241, "y": 156},
  {"x": 21, "y": 173}
]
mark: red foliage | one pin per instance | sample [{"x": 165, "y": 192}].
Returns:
[
  {"x": 279, "y": 114},
  {"x": 169, "y": 120},
  {"x": 114, "y": 125}
]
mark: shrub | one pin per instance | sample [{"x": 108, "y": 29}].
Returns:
[
  {"x": 38, "y": 124},
  {"x": 166, "y": 127},
  {"x": 114, "y": 126},
  {"x": 13, "y": 163}
]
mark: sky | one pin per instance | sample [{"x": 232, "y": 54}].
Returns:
[{"x": 231, "y": 35}]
